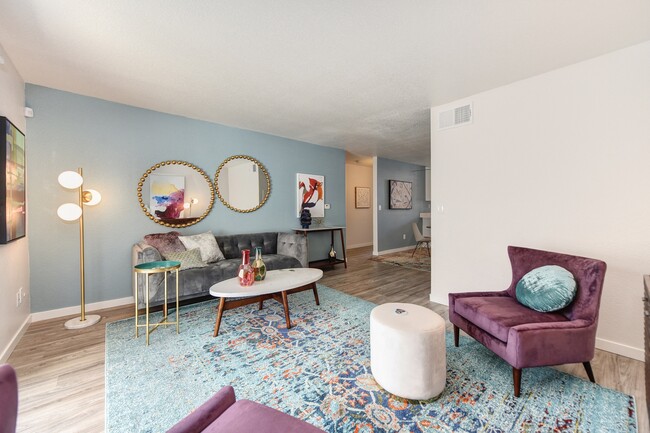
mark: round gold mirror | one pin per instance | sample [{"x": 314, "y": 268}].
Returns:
[
  {"x": 175, "y": 194},
  {"x": 242, "y": 183}
]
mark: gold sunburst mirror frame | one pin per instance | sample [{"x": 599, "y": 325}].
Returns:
[
  {"x": 189, "y": 201},
  {"x": 235, "y": 166}
]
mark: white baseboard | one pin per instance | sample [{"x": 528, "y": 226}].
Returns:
[
  {"x": 365, "y": 244},
  {"x": 620, "y": 349},
  {"x": 437, "y": 300},
  {"x": 4, "y": 356},
  {"x": 68, "y": 311},
  {"x": 394, "y": 250}
]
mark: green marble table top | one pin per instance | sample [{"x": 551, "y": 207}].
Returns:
[{"x": 157, "y": 266}]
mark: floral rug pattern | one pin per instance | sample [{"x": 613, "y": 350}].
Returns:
[
  {"x": 319, "y": 371},
  {"x": 419, "y": 261}
]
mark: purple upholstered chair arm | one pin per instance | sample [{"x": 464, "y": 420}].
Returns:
[
  {"x": 202, "y": 417},
  {"x": 552, "y": 343},
  {"x": 8, "y": 399}
]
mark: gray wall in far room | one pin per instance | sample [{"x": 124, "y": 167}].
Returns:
[
  {"x": 115, "y": 144},
  {"x": 393, "y": 223}
]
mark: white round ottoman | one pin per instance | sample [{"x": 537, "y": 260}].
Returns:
[{"x": 408, "y": 356}]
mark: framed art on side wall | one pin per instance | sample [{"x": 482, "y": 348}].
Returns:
[
  {"x": 13, "y": 201},
  {"x": 311, "y": 194},
  {"x": 400, "y": 195}
]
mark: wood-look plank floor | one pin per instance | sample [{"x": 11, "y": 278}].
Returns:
[{"x": 61, "y": 372}]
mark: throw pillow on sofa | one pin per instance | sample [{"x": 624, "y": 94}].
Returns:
[
  {"x": 189, "y": 259},
  {"x": 206, "y": 243},
  {"x": 546, "y": 289},
  {"x": 165, "y": 242}
]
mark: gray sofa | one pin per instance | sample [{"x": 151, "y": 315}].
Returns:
[{"x": 279, "y": 251}]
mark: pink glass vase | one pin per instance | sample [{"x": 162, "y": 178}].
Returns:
[{"x": 246, "y": 274}]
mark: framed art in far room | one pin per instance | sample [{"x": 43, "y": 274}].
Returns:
[
  {"x": 13, "y": 211},
  {"x": 361, "y": 197},
  {"x": 400, "y": 194}
]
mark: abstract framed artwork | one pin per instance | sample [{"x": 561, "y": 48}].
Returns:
[
  {"x": 311, "y": 194},
  {"x": 13, "y": 208},
  {"x": 361, "y": 197},
  {"x": 400, "y": 194},
  {"x": 167, "y": 196}
]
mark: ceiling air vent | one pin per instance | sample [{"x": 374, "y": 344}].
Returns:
[{"x": 456, "y": 116}]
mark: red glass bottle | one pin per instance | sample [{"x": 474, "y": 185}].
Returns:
[{"x": 246, "y": 274}]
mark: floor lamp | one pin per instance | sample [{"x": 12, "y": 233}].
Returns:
[{"x": 72, "y": 212}]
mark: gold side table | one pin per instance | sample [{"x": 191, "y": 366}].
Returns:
[{"x": 148, "y": 269}]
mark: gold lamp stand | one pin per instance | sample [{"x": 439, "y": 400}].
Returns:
[{"x": 71, "y": 212}]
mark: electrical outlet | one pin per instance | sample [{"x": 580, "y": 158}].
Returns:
[
  {"x": 327, "y": 205},
  {"x": 404, "y": 236}
]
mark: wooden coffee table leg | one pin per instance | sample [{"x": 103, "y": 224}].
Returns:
[
  {"x": 222, "y": 303},
  {"x": 285, "y": 303},
  {"x": 261, "y": 304},
  {"x": 313, "y": 286}
]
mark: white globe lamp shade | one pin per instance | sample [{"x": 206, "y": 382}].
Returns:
[
  {"x": 69, "y": 212},
  {"x": 70, "y": 179},
  {"x": 95, "y": 197},
  {"x": 186, "y": 205}
]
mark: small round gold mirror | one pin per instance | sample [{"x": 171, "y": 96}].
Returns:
[
  {"x": 242, "y": 183},
  {"x": 175, "y": 194}
]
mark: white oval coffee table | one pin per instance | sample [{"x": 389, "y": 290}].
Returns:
[{"x": 277, "y": 285}]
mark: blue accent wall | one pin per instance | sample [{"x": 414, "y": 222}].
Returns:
[
  {"x": 115, "y": 144},
  {"x": 393, "y": 223}
]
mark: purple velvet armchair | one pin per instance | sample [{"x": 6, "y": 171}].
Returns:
[
  {"x": 527, "y": 338},
  {"x": 8, "y": 399},
  {"x": 222, "y": 413}
]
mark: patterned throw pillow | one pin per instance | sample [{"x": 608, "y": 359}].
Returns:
[
  {"x": 546, "y": 289},
  {"x": 205, "y": 242},
  {"x": 165, "y": 242},
  {"x": 189, "y": 259}
]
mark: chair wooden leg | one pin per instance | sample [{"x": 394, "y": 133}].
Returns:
[
  {"x": 590, "y": 372},
  {"x": 415, "y": 249},
  {"x": 516, "y": 379},
  {"x": 456, "y": 335}
]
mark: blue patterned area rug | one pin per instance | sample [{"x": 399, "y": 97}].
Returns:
[{"x": 319, "y": 371}]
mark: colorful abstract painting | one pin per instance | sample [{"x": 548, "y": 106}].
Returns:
[
  {"x": 311, "y": 194},
  {"x": 167, "y": 196},
  {"x": 13, "y": 156}
]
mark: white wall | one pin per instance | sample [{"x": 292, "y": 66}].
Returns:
[
  {"x": 558, "y": 162},
  {"x": 14, "y": 266},
  {"x": 358, "y": 221}
]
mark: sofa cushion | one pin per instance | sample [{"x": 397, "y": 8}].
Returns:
[
  {"x": 547, "y": 288},
  {"x": 206, "y": 243},
  {"x": 189, "y": 259},
  {"x": 497, "y": 314},
  {"x": 165, "y": 242},
  {"x": 246, "y": 416},
  {"x": 232, "y": 245}
]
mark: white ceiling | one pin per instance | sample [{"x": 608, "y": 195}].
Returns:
[{"x": 353, "y": 74}]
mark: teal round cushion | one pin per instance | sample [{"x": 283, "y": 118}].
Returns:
[{"x": 547, "y": 288}]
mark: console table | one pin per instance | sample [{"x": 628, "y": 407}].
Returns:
[{"x": 326, "y": 262}]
